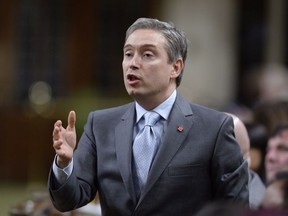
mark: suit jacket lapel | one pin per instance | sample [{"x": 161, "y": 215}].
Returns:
[
  {"x": 180, "y": 118},
  {"x": 123, "y": 145}
]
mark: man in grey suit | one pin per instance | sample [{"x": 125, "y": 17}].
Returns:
[{"x": 197, "y": 159}]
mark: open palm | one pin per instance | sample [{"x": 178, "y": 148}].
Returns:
[{"x": 64, "y": 140}]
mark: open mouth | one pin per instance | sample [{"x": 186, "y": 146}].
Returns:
[{"x": 132, "y": 78}]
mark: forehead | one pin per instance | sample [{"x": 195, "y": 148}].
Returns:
[{"x": 142, "y": 37}]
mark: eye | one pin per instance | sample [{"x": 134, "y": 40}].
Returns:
[
  {"x": 282, "y": 148},
  {"x": 148, "y": 55},
  {"x": 128, "y": 54}
]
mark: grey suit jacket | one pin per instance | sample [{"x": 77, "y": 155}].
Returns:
[{"x": 195, "y": 166}]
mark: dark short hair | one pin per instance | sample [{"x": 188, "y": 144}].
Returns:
[
  {"x": 278, "y": 129},
  {"x": 176, "y": 46}
]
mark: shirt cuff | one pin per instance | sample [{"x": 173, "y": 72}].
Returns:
[{"x": 62, "y": 174}]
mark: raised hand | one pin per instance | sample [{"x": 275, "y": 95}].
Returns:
[{"x": 64, "y": 140}]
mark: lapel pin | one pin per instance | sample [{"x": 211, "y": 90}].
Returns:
[{"x": 180, "y": 129}]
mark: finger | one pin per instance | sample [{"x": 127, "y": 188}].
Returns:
[
  {"x": 57, "y": 144},
  {"x": 58, "y": 123},
  {"x": 56, "y": 133},
  {"x": 71, "y": 120},
  {"x": 61, "y": 153}
]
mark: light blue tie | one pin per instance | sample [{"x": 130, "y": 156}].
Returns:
[{"x": 144, "y": 149}]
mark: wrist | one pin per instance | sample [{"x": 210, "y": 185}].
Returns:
[{"x": 62, "y": 163}]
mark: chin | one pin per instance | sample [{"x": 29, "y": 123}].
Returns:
[
  {"x": 136, "y": 95},
  {"x": 132, "y": 91}
]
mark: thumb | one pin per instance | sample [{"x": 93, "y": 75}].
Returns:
[{"x": 71, "y": 120}]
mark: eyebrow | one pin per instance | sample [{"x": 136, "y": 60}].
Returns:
[{"x": 142, "y": 46}]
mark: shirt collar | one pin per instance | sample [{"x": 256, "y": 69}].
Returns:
[{"x": 162, "y": 109}]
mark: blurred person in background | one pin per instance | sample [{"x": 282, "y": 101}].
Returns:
[
  {"x": 265, "y": 84},
  {"x": 270, "y": 114},
  {"x": 263, "y": 87},
  {"x": 258, "y": 141},
  {"x": 197, "y": 158},
  {"x": 276, "y": 159},
  {"x": 265, "y": 105},
  {"x": 276, "y": 195}
]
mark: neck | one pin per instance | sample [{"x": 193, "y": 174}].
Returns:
[{"x": 152, "y": 101}]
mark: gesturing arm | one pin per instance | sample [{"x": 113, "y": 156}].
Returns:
[{"x": 67, "y": 183}]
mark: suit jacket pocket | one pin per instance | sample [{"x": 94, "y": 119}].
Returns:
[{"x": 189, "y": 170}]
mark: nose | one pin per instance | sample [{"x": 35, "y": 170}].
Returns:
[
  {"x": 270, "y": 155},
  {"x": 134, "y": 63}
]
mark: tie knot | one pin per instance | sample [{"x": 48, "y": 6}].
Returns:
[{"x": 151, "y": 118}]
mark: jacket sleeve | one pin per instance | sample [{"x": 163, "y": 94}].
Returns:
[
  {"x": 80, "y": 187},
  {"x": 229, "y": 169}
]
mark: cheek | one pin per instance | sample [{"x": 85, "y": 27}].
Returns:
[
  {"x": 157, "y": 80},
  {"x": 158, "y": 72},
  {"x": 124, "y": 65},
  {"x": 284, "y": 159}
]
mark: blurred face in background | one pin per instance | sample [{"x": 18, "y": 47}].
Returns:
[{"x": 276, "y": 159}]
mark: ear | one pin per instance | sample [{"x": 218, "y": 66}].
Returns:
[{"x": 177, "y": 68}]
